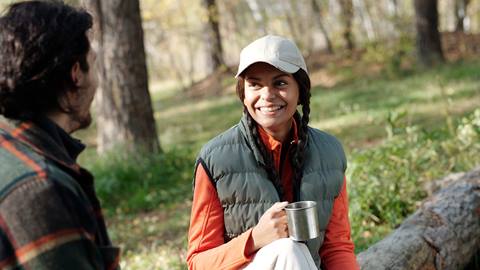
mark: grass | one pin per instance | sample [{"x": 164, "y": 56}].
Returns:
[
  {"x": 397, "y": 132},
  {"x": 151, "y": 182},
  {"x": 154, "y": 240}
]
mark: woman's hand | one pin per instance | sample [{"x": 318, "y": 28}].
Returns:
[{"x": 271, "y": 226}]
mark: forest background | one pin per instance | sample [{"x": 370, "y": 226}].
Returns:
[{"x": 396, "y": 81}]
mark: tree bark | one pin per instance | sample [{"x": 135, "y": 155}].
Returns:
[
  {"x": 258, "y": 16},
  {"x": 392, "y": 7},
  {"x": 362, "y": 10},
  {"x": 316, "y": 9},
  {"x": 124, "y": 110},
  {"x": 72, "y": 2},
  {"x": 190, "y": 43},
  {"x": 291, "y": 15},
  {"x": 213, "y": 40},
  {"x": 443, "y": 234},
  {"x": 347, "y": 20},
  {"x": 429, "y": 48},
  {"x": 460, "y": 14}
]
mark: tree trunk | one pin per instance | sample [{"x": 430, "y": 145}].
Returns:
[
  {"x": 191, "y": 49},
  {"x": 317, "y": 11},
  {"x": 175, "y": 66},
  {"x": 291, "y": 16},
  {"x": 124, "y": 110},
  {"x": 72, "y": 2},
  {"x": 392, "y": 7},
  {"x": 362, "y": 10},
  {"x": 443, "y": 234},
  {"x": 429, "y": 48},
  {"x": 460, "y": 14},
  {"x": 213, "y": 40},
  {"x": 347, "y": 19},
  {"x": 258, "y": 16},
  {"x": 238, "y": 16}
]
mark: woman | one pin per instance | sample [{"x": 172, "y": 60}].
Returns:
[{"x": 245, "y": 176}]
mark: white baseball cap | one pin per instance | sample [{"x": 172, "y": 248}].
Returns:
[{"x": 277, "y": 51}]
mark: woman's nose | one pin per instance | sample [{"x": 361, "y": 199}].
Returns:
[{"x": 268, "y": 93}]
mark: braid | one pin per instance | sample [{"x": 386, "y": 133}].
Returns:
[
  {"x": 267, "y": 157},
  {"x": 297, "y": 158}
]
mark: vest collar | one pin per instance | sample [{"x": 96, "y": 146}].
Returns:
[
  {"x": 250, "y": 140},
  {"x": 271, "y": 143},
  {"x": 268, "y": 140}
]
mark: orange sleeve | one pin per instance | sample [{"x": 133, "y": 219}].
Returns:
[
  {"x": 337, "y": 251},
  {"x": 206, "y": 247}
]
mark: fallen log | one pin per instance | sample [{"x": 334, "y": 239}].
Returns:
[{"x": 444, "y": 233}]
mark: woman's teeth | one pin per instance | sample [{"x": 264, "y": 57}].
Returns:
[{"x": 270, "y": 109}]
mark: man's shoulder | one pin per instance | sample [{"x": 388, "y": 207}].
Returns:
[
  {"x": 18, "y": 161},
  {"x": 19, "y": 164}
]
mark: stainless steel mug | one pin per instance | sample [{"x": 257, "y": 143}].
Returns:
[{"x": 302, "y": 220}]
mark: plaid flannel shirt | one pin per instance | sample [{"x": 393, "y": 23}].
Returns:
[{"x": 50, "y": 217}]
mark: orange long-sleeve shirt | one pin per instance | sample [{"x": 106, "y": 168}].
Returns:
[{"x": 206, "y": 246}]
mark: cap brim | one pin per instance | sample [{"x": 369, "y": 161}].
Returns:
[{"x": 280, "y": 65}]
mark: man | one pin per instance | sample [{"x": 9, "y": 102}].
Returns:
[{"x": 50, "y": 217}]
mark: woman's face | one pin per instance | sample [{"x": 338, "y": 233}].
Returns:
[{"x": 271, "y": 98}]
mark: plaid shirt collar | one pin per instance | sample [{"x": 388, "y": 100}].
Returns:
[
  {"x": 73, "y": 147},
  {"x": 44, "y": 137}
]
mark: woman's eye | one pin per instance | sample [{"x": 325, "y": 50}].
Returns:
[
  {"x": 280, "y": 83},
  {"x": 253, "y": 85}
]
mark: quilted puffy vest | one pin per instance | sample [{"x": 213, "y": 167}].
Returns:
[{"x": 235, "y": 167}]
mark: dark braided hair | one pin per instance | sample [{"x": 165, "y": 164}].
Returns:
[
  {"x": 297, "y": 154},
  {"x": 267, "y": 156}
]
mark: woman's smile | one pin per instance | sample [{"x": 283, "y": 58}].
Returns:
[
  {"x": 271, "y": 98},
  {"x": 271, "y": 109}
]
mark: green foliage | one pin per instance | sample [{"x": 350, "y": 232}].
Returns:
[
  {"x": 393, "y": 119},
  {"x": 387, "y": 181},
  {"x": 142, "y": 183},
  {"x": 394, "y": 55}
]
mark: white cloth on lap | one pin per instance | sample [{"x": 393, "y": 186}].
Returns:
[{"x": 282, "y": 254}]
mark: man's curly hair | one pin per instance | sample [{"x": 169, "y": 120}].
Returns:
[{"x": 40, "y": 41}]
